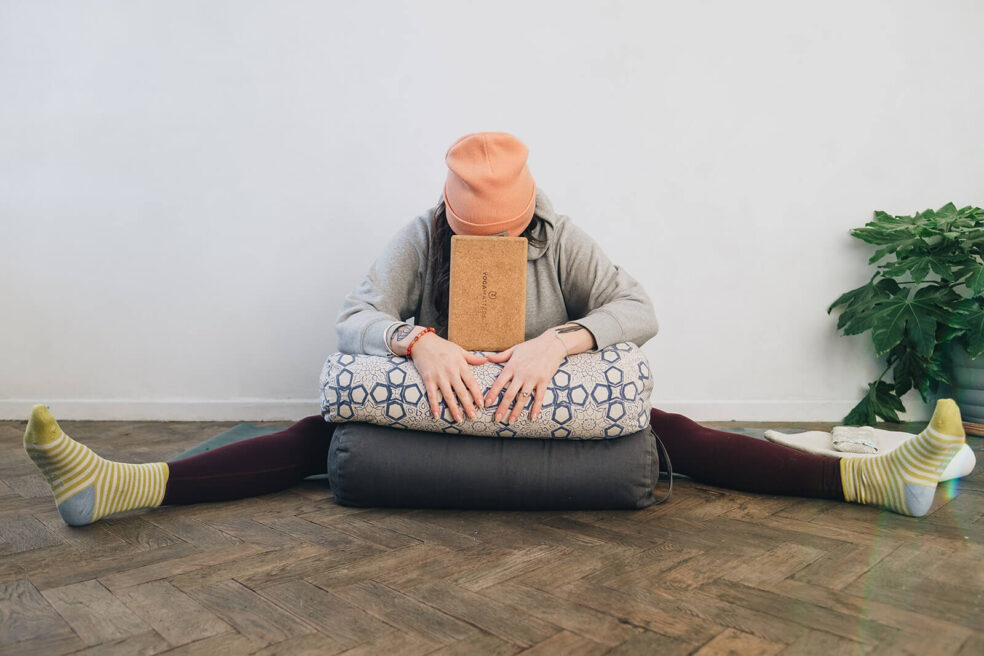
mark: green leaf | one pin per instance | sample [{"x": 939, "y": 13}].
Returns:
[
  {"x": 860, "y": 303},
  {"x": 909, "y": 369},
  {"x": 971, "y": 239},
  {"x": 879, "y": 236},
  {"x": 973, "y": 323},
  {"x": 881, "y": 252},
  {"x": 887, "y": 287},
  {"x": 861, "y": 295},
  {"x": 898, "y": 316},
  {"x": 918, "y": 266},
  {"x": 975, "y": 283},
  {"x": 888, "y": 405},
  {"x": 947, "y": 212},
  {"x": 936, "y": 372},
  {"x": 880, "y": 401},
  {"x": 862, "y": 414},
  {"x": 948, "y": 333}
]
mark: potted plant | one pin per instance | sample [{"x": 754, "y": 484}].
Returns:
[{"x": 923, "y": 306}]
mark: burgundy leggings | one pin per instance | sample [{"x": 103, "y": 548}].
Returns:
[{"x": 277, "y": 461}]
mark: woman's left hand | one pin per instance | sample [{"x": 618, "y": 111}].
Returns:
[{"x": 530, "y": 366}]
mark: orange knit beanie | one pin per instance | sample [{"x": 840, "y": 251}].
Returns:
[{"x": 489, "y": 188}]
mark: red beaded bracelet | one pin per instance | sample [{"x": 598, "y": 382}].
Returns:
[{"x": 413, "y": 341}]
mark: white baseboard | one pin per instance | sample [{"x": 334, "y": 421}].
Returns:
[
  {"x": 166, "y": 410},
  {"x": 294, "y": 409},
  {"x": 769, "y": 410}
]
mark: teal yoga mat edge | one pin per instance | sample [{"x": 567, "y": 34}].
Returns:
[
  {"x": 237, "y": 433},
  {"x": 245, "y": 431}
]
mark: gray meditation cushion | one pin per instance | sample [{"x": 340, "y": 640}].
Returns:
[{"x": 370, "y": 465}]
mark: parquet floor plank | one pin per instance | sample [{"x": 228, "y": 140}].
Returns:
[
  {"x": 259, "y": 620},
  {"x": 346, "y": 623},
  {"x": 566, "y": 644},
  {"x": 356, "y": 527},
  {"x": 25, "y": 614},
  {"x": 818, "y": 643},
  {"x": 65, "y": 569},
  {"x": 730, "y": 641},
  {"x": 93, "y": 537},
  {"x": 250, "y": 531},
  {"x": 438, "y": 568},
  {"x": 396, "y": 643},
  {"x": 511, "y": 624},
  {"x": 94, "y": 613},
  {"x": 506, "y": 567},
  {"x": 227, "y": 644},
  {"x": 783, "y": 560},
  {"x": 143, "y": 644},
  {"x": 26, "y": 533},
  {"x": 571, "y": 616},
  {"x": 923, "y": 633},
  {"x": 311, "y": 644},
  {"x": 973, "y": 645},
  {"x": 583, "y": 563},
  {"x": 177, "y": 566},
  {"x": 191, "y": 530},
  {"x": 174, "y": 615},
  {"x": 644, "y": 610},
  {"x": 479, "y": 643},
  {"x": 240, "y": 567},
  {"x": 827, "y": 620},
  {"x": 406, "y": 613},
  {"x": 397, "y": 563},
  {"x": 838, "y": 567},
  {"x": 648, "y": 643},
  {"x": 712, "y": 571}
]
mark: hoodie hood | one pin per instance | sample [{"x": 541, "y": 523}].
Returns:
[{"x": 547, "y": 227}]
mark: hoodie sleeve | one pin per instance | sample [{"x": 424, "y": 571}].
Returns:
[
  {"x": 389, "y": 294},
  {"x": 602, "y": 296}
]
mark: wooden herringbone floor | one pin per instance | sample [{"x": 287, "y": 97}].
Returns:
[{"x": 710, "y": 572}]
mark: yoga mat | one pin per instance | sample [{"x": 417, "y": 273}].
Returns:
[
  {"x": 245, "y": 431},
  {"x": 237, "y": 433}
]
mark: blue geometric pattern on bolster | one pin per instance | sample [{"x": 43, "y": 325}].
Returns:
[{"x": 593, "y": 395}]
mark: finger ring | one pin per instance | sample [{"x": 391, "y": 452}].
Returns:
[{"x": 526, "y": 393}]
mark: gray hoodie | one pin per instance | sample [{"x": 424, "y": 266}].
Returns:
[{"x": 569, "y": 279}]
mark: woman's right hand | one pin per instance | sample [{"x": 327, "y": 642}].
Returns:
[{"x": 444, "y": 367}]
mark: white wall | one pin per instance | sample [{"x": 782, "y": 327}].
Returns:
[{"x": 188, "y": 189}]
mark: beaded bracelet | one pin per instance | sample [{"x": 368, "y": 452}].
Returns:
[{"x": 413, "y": 341}]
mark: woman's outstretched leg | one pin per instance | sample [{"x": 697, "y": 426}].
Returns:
[
  {"x": 903, "y": 480},
  {"x": 741, "y": 462},
  {"x": 259, "y": 465},
  {"x": 87, "y": 487}
]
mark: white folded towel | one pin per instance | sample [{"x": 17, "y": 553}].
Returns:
[{"x": 865, "y": 441}]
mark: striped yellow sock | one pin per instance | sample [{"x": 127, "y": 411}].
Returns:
[
  {"x": 87, "y": 487},
  {"x": 904, "y": 479}
]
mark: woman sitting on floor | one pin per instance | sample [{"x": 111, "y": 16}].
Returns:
[{"x": 490, "y": 191}]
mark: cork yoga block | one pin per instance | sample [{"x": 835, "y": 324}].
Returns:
[{"x": 487, "y": 293}]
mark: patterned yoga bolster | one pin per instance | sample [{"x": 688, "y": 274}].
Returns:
[{"x": 593, "y": 395}]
